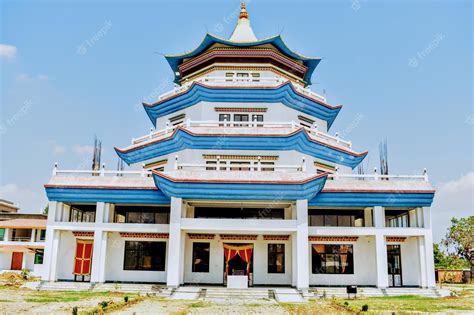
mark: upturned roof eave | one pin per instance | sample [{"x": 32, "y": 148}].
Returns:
[{"x": 277, "y": 41}]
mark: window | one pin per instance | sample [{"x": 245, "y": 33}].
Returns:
[
  {"x": 2, "y": 234},
  {"x": 239, "y": 213},
  {"x": 267, "y": 166},
  {"x": 212, "y": 165},
  {"x": 276, "y": 258},
  {"x": 39, "y": 254},
  {"x": 82, "y": 213},
  {"x": 176, "y": 120},
  {"x": 255, "y": 77},
  {"x": 241, "y": 117},
  {"x": 397, "y": 218},
  {"x": 336, "y": 218},
  {"x": 224, "y": 117},
  {"x": 306, "y": 122},
  {"x": 201, "y": 257},
  {"x": 258, "y": 118},
  {"x": 240, "y": 166},
  {"x": 42, "y": 236},
  {"x": 141, "y": 214},
  {"x": 145, "y": 256},
  {"x": 332, "y": 259},
  {"x": 242, "y": 75},
  {"x": 229, "y": 76}
]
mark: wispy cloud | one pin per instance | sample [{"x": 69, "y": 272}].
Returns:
[
  {"x": 453, "y": 199},
  {"x": 28, "y": 200},
  {"x": 83, "y": 149},
  {"x": 7, "y": 51}
]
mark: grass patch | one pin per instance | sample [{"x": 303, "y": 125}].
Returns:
[
  {"x": 110, "y": 306},
  {"x": 463, "y": 302}
]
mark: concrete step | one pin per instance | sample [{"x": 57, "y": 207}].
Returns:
[
  {"x": 156, "y": 290},
  {"x": 249, "y": 294},
  {"x": 65, "y": 286}
]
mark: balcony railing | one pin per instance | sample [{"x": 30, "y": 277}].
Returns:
[
  {"x": 21, "y": 239},
  {"x": 375, "y": 177},
  {"x": 228, "y": 125},
  {"x": 256, "y": 167},
  {"x": 248, "y": 81}
]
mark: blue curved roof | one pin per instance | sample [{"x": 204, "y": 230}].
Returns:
[
  {"x": 233, "y": 190},
  {"x": 310, "y": 62},
  {"x": 285, "y": 93},
  {"x": 183, "y": 139}
]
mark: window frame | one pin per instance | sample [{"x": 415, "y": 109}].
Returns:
[
  {"x": 333, "y": 256},
  {"x": 194, "y": 256},
  {"x": 139, "y": 254},
  {"x": 272, "y": 256}
]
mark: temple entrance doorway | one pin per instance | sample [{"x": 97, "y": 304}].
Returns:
[{"x": 238, "y": 261}]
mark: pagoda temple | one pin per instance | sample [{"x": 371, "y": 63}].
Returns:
[{"x": 241, "y": 183}]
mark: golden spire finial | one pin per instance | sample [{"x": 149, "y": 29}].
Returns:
[{"x": 243, "y": 11}]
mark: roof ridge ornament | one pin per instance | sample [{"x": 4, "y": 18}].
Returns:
[
  {"x": 243, "y": 33},
  {"x": 243, "y": 11}
]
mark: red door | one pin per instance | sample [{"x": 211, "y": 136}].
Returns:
[
  {"x": 83, "y": 259},
  {"x": 17, "y": 260}
]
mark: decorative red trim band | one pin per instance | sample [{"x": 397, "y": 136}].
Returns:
[
  {"x": 395, "y": 239},
  {"x": 83, "y": 233},
  {"x": 238, "y": 237},
  {"x": 276, "y": 237},
  {"x": 240, "y": 110},
  {"x": 195, "y": 236},
  {"x": 333, "y": 238},
  {"x": 144, "y": 235}
]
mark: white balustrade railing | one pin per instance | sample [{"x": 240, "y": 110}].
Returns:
[
  {"x": 245, "y": 166},
  {"x": 247, "y": 81},
  {"x": 243, "y": 124},
  {"x": 102, "y": 172}
]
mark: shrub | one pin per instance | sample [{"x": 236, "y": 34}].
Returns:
[
  {"x": 346, "y": 303},
  {"x": 104, "y": 304},
  {"x": 125, "y": 299},
  {"x": 74, "y": 310},
  {"x": 25, "y": 274},
  {"x": 365, "y": 308}
]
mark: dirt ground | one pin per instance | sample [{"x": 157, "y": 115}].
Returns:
[{"x": 24, "y": 301}]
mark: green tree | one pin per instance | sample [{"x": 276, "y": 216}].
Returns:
[{"x": 459, "y": 238}]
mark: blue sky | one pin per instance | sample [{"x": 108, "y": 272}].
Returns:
[{"x": 402, "y": 69}]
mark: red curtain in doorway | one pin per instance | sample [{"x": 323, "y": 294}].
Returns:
[
  {"x": 83, "y": 259},
  {"x": 244, "y": 251}
]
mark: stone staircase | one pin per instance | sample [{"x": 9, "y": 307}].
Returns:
[{"x": 225, "y": 295}]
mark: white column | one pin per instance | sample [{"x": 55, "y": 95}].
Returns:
[
  {"x": 7, "y": 237},
  {"x": 33, "y": 235},
  {"x": 294, "y": 261},
  {"x": 51, "y": 254},
  {"x": 379, "y": 217},
  {"x": 368, "y": 217},
  {"x": 302, "y": 252},
  {"x": 99, "y": 254},
  {"x": 380, "y": 247},
  {"x": 426, "y": 217},
  {"x": 99, "y": 212},
  {"x": 381, "y": 258},
  {"x": 425, "y": 250},
  {"x": 174, "y": 244}
]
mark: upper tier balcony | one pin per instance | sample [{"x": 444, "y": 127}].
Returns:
[
  {"x": 243, "y": 127},
  {"x": 241, "y": 82}
]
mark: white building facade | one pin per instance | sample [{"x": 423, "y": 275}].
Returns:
[{"x": 240, "y": 180}]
